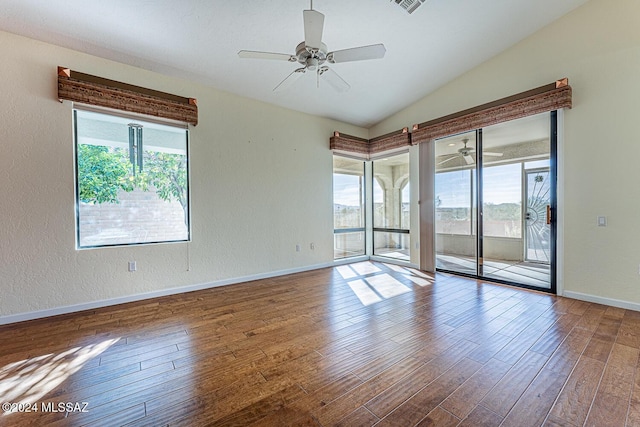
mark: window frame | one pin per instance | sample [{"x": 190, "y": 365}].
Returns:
[
  {"x": 363, "y": 207},
  {"x": 135, "y": 117},
  {"x": 399, "y": 230}
]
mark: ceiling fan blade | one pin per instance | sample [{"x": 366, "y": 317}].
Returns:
[
  {"x": 446, "y": 160},
  {"x": 313, "y": 24},
  {"x": 489, "y": 153},
  {"x": 266, "y": 55},
  {"x": 468, "y": 159},
  {"x": 333, "y": 79},
  {"x": 374, "y": 51},
  {"x": 290, "y": 79}
]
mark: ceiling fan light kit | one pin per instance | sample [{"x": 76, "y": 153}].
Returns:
[
  {"x": 312, "y": 53},
  {"x": 465, "y": 152},
  {"x": 409, "y": 5}
]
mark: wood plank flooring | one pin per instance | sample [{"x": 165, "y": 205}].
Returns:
[{"x": 355, "y": 345}]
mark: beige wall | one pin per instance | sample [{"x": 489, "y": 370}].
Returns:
[
  {"x": 261, "y": 183},
  {"x": 598, "y": 48}
]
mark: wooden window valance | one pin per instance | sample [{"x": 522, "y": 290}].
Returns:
[
  {"x": 546, "y": 98},
  {"x": 554, "y": 96},
  {"x": 347, "y": 144},
  {"x": 91, "y": 90},
  {"x": 365, "y": 148}
]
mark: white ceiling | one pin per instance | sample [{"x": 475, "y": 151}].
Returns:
[{"x": 199, "y": 40}]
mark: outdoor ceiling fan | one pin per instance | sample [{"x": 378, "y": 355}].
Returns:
[
  {"x": 465, "y": 152},
  {"x": 313, "y": 54}
]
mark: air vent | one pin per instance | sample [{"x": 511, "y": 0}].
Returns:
[{"x": 409, "y": 5}]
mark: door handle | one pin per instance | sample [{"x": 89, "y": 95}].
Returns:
[{"x": 548, "y": 214}]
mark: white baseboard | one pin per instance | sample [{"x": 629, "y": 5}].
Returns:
[
  {"x": 602, "y": 300},
  {"x": 21, "y": 317},
  {"x": 351, "y": 260},
  {"x": 392, "y": 261}
]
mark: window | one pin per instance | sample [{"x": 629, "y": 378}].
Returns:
[
  {"x": 132, "y": 181},
  {"x": 348, "y": 207},
  {"x": 391, "y": 206}
]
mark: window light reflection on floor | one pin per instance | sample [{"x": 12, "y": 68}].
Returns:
[
  {"x": 387, "y": 286},
  {"x": 418, "y": 280},
  {"x": 346, "y": 272},
  {"x": 29, "y": 380},
  {"x": 365, "y": 294},
  {"x": 398, "y": 268},
  {"x": 372, "y": 284},
  {"x": 363, "y": 268}
]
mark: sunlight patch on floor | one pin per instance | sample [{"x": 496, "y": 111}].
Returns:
[
  {"x": 346, "y": 272},
  {"x": 30, "y": 380},
  {"x": 418, "y": 280},
  {"x": 373, "y": 283},
  {"x": 416, "y": 272},
  {"x": 387, "y": 286},
  {"x": 365, "y": 294},
  {"x": 364, "y": 268},
  {"x": 398, "y": 268}
]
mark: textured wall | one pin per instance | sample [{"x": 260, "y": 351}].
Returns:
[
  {"x": 261, "y": 183},
  {"x": 597, "y": 47}
]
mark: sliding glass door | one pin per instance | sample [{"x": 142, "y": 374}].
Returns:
[
  {"x": 495, "y": 194},
  {"x": 456, "y": 237}
]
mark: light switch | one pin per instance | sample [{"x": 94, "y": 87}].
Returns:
[{"x": 602, "y": 221}]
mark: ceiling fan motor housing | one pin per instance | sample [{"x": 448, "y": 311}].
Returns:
[{"x": 311, "y": 57}]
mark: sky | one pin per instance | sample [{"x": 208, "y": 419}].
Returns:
[{"x": 346, "y": 190}]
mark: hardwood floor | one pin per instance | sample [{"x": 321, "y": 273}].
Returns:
[{"x": 356, "y": 345}]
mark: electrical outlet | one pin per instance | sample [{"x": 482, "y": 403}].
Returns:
[
  {"x": 132, "y": 266},
  {"x": 312, "y": 246},
  {"x": 297, "y": 248}
]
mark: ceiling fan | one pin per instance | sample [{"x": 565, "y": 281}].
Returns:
[
  {"x": 313, "y": 54},
  {"x": 465, "y": 152}
]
